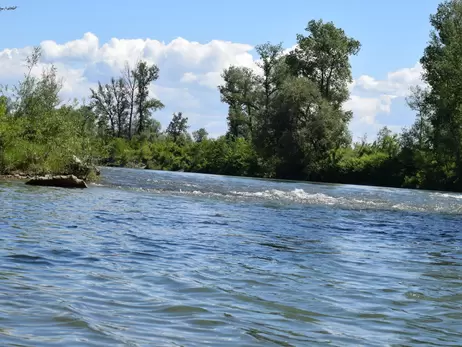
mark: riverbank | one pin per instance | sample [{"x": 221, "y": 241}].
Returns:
[
  {"x": 15, "y": 177},
  {"x": 91, "y": 175}
]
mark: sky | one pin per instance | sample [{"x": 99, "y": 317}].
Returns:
[{"x": 193, "y": 41}]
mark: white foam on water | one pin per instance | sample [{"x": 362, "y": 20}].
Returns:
[
  {"x": 445, "y": 203},
  {"x": 448, "y": 195},
  {"x": 298, "y": 195}
]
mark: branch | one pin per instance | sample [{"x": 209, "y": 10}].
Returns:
[{"x": 8, "y": 8}]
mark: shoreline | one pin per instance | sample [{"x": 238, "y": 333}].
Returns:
[
  {"x": 25, "y": 177},
  {"x": 16, "y": 177}
]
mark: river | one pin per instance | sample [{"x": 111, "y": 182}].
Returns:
[{"x": 148, "y": 258}]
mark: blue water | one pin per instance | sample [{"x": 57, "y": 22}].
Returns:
[{"x": 146, "y": 258}]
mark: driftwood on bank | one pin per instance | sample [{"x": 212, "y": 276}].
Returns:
[{"x": 63, "y": 181}]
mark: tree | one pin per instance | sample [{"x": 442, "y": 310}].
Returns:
[
  {"x": 130, "y": 81},
  {"x": 272, "y": 78},
  {"x": 323, "y": 56},
  {"x": 240, "y": 91},
  {"x": 440, "y": 103},
  {"x": 125, "y": 102},
  {"x": 200, "y": 135},
  {"x": 387, "y": 142},
  {"x": 292, "y": 110},
  {"x": 102, "y": 102},
  {"x": 151, "y": 132},
  {"x": 422, "y": 128},
  {"x": 121, "y": 103},
  {"x": 178, "y": 127},
  {"x": 8, "y": 8},
  {"x": 307, "y": 129},
  {"x": 144, "y": 75}
]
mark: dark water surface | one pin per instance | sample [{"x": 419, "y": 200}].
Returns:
[{"x": 172, "y": 259}]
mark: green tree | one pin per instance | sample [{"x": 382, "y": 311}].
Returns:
[
  {"x": 200, "y": 135},
  {"x": 130, "y": 82},
  {"x": 240, "y": 92},
  {"x": 307, "y": 127},
  {"x": 103, "y": 103},
  {"x": 323, "y": 57},
  {"x": 178, "y": 127},
  {"x": 121, "y": 104},
  {"x": 271, "y": 79},
  {"x": 387, "y": 142},
  {"x": 439, "y": 106},
  {"x": 144, "y": 75}
]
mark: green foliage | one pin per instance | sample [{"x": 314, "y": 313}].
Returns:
[
  {"x": 178, "y": 128},
  {"x": 124, "y": 104},
  {"x": 144, "y": 75},
  {"x": 241, "y": 93},
  {"x": 292, "y": 112},
  {"x": 36, "y": 134},
  {"x": 287, "y": 120},
  {"x": 323, "y": 57},
  {"x": 200, "y": 135},
  {"x": 436, "y": 137}
]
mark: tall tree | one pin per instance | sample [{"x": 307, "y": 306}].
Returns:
[
  {"x": 102, "y": 102},
  {"x": 323, "y": 56},
  {"x": 240, "y": 92},
  {"x": 130, "y": 81},
  {"x": 442, "y": 73},
  {"x": 144, "y": 76},
  {"x": 121, "y": 104},
  {"x": 269, "y": 61}
]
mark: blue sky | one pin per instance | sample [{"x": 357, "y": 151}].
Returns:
[{"x": 393, "y": 33}]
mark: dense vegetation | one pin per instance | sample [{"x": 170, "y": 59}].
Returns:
[
  {"x": 286, "y": 120},
  {"x": 37, "y": 134}
]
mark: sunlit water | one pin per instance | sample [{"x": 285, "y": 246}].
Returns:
[{"x": 151, "y": 258}]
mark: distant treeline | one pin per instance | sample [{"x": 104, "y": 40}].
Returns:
[{"x": 288, "y": 121}]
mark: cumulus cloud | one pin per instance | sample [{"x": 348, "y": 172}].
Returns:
[
  {"x": 189, "y": 74},
  {"x": 366, "y": 109},
  {"x": 372, "y": 98},
  {"x": 397, "y": 83}
]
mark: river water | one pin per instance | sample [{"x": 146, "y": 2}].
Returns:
[{"x": 147, "y": 258}]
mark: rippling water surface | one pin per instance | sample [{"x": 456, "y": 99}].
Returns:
[{"x": 151, "y": 258}]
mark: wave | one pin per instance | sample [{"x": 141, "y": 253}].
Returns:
[
  {"x": 298, "y": 195},
  {"x": 382, "y": 200},
  {"x": 448, "y": 195}
]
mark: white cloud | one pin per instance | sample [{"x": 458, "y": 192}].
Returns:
[
  {"x": 365, "y": 109},
  {"x": 189, "y": 75},
  {"x": 397, "y": 83},
  {"x": 85, "y": 48},
  {"x": 371, "y": 97}
]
